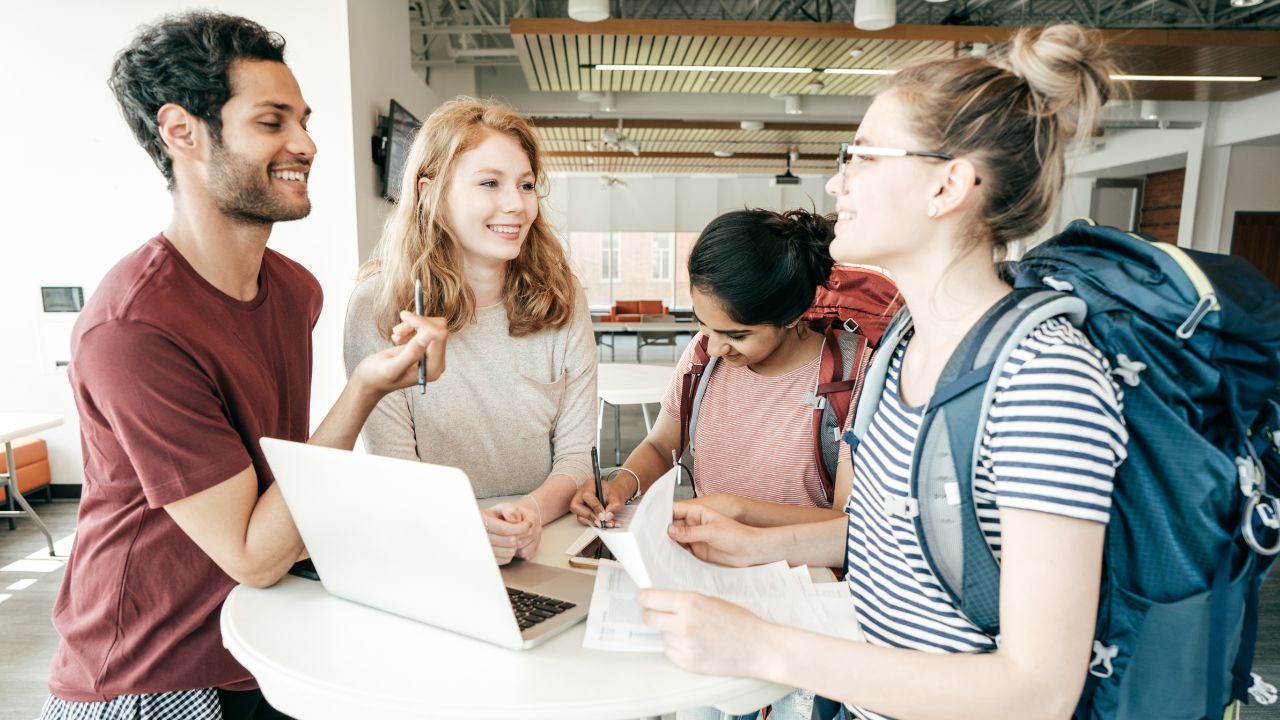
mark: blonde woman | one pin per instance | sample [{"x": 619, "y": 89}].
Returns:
[
  {"x": 954, "y": 161},
  {"x": 515, "y": 407}
]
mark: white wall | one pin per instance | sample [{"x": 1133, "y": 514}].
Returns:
[
  {"x": 80, "y": 194},
  {"x": 1253, "y": 185},
  {"x": 380, "y": 70},
  {"x": 1232, "y": 162}
]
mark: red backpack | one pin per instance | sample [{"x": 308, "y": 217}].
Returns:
[{"x": 852, "y": 311}]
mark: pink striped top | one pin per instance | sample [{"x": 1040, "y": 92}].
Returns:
[{"x": 754, "y": 434}]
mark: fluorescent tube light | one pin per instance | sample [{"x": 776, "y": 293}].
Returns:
[
  {"x": 743, "y": 69},
  {"x": 1190, "y": 78},
  {"x": 707, "y": 68},
  {"x": 858, "y": 71}
]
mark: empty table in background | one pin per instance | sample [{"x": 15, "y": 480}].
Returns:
[{"x": 629, "y": 384}]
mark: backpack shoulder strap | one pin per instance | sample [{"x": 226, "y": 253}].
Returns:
[
  {"x": 692, "y": 388},
  {"x": 947, "y": 451},
  {"x": 839, "y": 382},
  {"x": 875, "y": 376}
]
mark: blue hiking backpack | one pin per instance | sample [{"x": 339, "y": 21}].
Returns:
[{"x": 1194, "y": 341}]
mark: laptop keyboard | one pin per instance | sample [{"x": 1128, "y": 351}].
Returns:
[{"x": 532, "y": 609}]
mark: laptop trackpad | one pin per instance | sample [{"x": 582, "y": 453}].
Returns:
[{"x": 544, "y": 580}]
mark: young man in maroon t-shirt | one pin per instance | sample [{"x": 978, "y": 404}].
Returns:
[{"x": 193, "y": 347}]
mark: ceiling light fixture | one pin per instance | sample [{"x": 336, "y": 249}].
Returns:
[
  {"x": 704, "y": 68},
  {"x": 1245, "y": 3},
  {"x": 790, "y": 103},
  {"x": 722, "y": 153},
  {"x": 858, "y": 71},
  {"x": 875, "y": 14},
  {"x": 857, "y": 52},
  {"x": 1191, "y": 78},
  {"x": 751, "y": 125},
  {"x": 589, "y": 10},
  {"x": 1149, "y": 110}
]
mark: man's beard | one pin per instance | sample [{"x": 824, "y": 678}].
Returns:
[{"x": 244, "y": 192}]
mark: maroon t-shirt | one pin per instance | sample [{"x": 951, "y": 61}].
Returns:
[{"x": 175, "y": 383}]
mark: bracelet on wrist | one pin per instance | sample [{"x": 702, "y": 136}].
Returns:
[{"x": 614, "y": 474}]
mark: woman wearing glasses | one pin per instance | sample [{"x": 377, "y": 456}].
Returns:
[
  {"x": 953, "y": 162},
  {"x": 515, "y": 406}
]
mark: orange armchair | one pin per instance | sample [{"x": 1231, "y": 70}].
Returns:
[{"x": 31, "y": 469}]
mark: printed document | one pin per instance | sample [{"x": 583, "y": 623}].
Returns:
[{"x": 650, "y": 558}]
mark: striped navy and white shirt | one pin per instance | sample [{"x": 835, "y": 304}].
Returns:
[{"x": 1053, "y": 439}]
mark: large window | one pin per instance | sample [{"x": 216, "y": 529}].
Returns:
[
  {"x": 610, "y": 257},
  {"x": 662, "y": 259},
  {"x": 632, "y": 266}
]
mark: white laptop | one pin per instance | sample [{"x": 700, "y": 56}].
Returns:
[{"x": 423, "y": 553}]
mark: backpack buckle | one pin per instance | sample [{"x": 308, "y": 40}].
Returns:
[
  {"x": 1100, "y": 666},
  {"x": 1202, "y": 308},
  {"x": 814, "y": 401},
  {"x": 1128, "y": 370},
  {"x": 1056, "y": 284},
  {"x": 1247, "y": 475},
  {"x": 907, "y": 507},
  {"x": 851, "y": 325},
  {"x": 1268, "y": 513}
]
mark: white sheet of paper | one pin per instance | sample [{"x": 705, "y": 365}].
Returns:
[
  {"x": 614, "y": 620},
  {"x": 775, "y": 592}
]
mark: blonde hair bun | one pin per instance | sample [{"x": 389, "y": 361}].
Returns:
[{"x": 1069, "y": 70}]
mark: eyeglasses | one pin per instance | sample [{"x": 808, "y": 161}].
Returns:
[{"x": 849, "y": 152}]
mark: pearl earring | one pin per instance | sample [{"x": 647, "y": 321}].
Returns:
[{"x": 933, "y": 211}]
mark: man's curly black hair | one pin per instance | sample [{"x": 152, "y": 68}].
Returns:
[{"x": 183, "y": 59}]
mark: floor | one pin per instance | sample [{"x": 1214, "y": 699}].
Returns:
[{"x": 29, "y": 582}]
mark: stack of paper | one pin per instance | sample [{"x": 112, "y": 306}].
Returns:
[{"x": 650, "y": 558}]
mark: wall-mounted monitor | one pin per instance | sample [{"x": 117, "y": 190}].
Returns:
[
  {"x": 391, "y": 147},
  {"x": 62, "y": 299}
]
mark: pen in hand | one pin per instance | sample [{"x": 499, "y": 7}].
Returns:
[
  {"x": 417, "y": 309},
  {"x": 595, "y": 468}
]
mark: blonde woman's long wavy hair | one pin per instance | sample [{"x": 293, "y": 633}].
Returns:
[{"x": 540, "y": 288}]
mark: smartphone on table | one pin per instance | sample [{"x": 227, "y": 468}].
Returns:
[{"x": 590, "y": 555}]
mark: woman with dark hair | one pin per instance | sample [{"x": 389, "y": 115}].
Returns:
[
  {"x": 953, "y": 162},
  {"x": 752, "y": 274}
]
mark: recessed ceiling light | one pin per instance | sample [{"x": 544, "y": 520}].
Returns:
[
  {"x": 857, "y": 52},
  {"x": 722, "y": 153}
]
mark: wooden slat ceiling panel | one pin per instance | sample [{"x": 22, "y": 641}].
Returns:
[
  {"x": 575, "y": 146},
  {"x": 552, "y": 56}
]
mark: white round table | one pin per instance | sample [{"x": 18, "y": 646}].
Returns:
[
  {"x": 318, "y": 656},
  {"x": 629, "y": 384}
]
